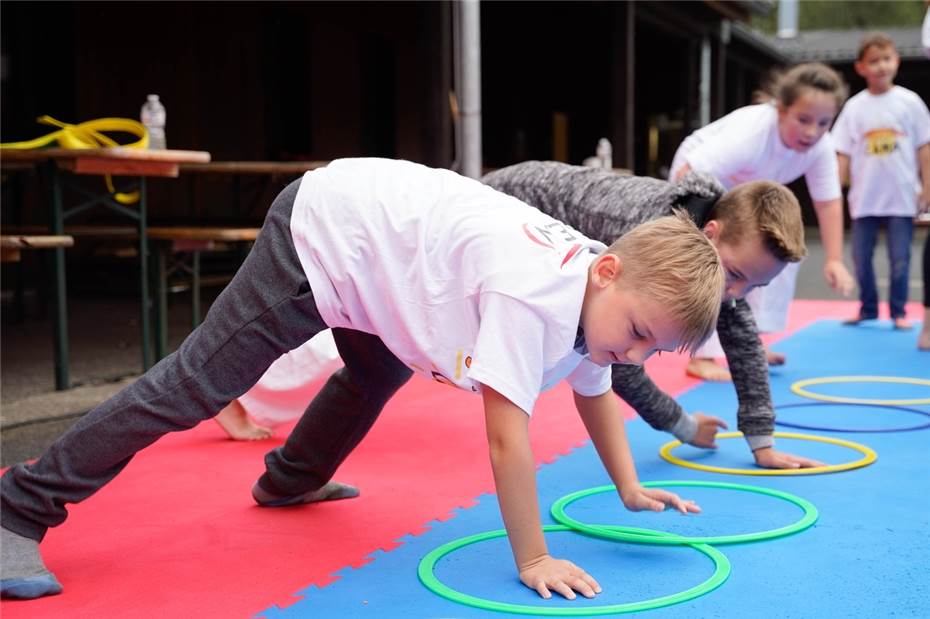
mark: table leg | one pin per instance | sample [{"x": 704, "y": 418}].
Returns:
[
  {"x": 195, "y": 290},
  {"x": 60, "y": 295},
  {"x": 161, "y": 301},
  {"x": 15, "y": 181},
  {"x": 144, "y": 278}
]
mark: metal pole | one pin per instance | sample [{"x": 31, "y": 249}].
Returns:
[
  {"x": 787, "y": 19},
  {"x": 704, "y": 85},
  {"x": 470, "y": 39}
]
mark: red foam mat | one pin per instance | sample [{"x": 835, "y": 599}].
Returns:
[{"x": 177, "y": 534}]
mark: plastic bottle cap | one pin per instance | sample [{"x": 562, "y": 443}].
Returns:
[{"x": 152, "y": 97}]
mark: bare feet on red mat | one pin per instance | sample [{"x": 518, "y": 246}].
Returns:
[
  {"x": 239, "y": 426},
  {"x": 707, "y": 369}
]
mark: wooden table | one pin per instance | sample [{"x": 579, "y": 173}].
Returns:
[
  {"x": 237, "y": 171},
  {"x": 56, "y": 166},
  {"x": 253, "y": 167}
]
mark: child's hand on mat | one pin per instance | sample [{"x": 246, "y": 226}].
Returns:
[
  {"x": 771, "y": 459},
  {"x": 546, "y": 574},
  {"x": 707, "y": 430},
  {"x": 836, "y": 274},
  {"x": 638, "y": 498}
]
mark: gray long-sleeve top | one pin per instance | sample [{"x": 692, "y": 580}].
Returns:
[{"x": 604, "y": 205}]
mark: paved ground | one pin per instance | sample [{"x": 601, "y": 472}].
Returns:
[{"x": 105, "y": 355}]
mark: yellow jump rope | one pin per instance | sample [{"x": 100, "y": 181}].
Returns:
[{"x": 89, "y": 135}]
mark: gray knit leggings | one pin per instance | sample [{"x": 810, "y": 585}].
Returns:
[{"x": 267, "y": 310}]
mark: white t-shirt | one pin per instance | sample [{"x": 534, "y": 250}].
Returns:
[
  {"x": 881, "y": 134},
  {"x": 465, "y": 285},
  {"x": 745, "y": 146}
]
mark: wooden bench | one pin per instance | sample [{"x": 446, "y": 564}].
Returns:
[
  {"x": 178, "y": 249},
  {"x": 119, "y": 241},
  {"x": 11, "y": 248},
  {"x": 12, "y": 245}
]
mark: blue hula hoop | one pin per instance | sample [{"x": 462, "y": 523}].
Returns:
[{"x": 801, "y": 426}]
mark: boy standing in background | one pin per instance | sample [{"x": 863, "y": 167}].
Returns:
[{"x": 882, "y": 139}]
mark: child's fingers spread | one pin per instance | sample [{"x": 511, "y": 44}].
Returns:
[
  {"x": 688, "y": 507},
  {"x": 543, "y": 590},
  {"x": 802, "y": 462},
  {"x": 676, "y": 502},
  {"x": 582, "y": 587},
  {"x": 563, "y": 589}
]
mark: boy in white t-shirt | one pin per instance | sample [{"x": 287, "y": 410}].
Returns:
[
  {"x": 779, "y": 140},
  {"x": 882, "y": 140},
  {"x": 413, "y": 268}
]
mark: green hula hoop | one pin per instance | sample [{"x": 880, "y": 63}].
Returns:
[
  {"x": 628, "y": 534},
  {"x": 799, "y": 388},
  {"x": 428, "y": 577}
]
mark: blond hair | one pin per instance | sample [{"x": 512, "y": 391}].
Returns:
[
  {"x": 766, "y": 208},
  {"x": 875, "y": 39},
  {"x": 671, "y": 262}
]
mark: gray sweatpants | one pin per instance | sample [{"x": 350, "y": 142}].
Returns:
[{"x": 267, "y": 310}]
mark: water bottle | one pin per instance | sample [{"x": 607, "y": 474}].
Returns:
[
  {"x": 604, "y": 152},
  {"x": 153, "y": 117}
]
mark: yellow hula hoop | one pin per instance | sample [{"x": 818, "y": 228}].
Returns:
[
  {"x": 868, "y": 457},
  {"x": 799, "y": 389},
  {"x": 89, "y": 135}
]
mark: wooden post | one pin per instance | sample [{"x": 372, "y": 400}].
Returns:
[{"x": 622, "y": 93}]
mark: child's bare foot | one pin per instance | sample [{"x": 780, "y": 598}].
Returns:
[
  {"x": 239, "y": 426},
  {"x": 775, "y": 358},
  {"x": 859, "y": 318},
  {"x": 902, "y": 324},
  {"x": 923, "y": 340},
  {"x": 707, "y": 369}
]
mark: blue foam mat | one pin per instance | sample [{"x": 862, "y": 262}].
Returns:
[{"x": 868, "y": 555}]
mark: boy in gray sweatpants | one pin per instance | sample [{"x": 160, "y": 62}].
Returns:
[
  {"x": 416, "y": 268},
  {"x": 269, "y": 308}
]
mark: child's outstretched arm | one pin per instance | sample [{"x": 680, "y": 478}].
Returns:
[
  {"x": 830, "y": 221},
  {"x": 923, "y": 164},
  {"x": 515, "y": 479},
  {"x": 604, "y": 422}
]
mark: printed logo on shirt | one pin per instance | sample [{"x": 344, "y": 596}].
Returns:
[
  {"x": 554, "y": 233},
  {"x": 439, "y": 377},
  {"x": 881, "y": 142}
]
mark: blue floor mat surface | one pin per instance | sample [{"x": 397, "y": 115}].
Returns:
[{"x": 868, "y": 555}]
